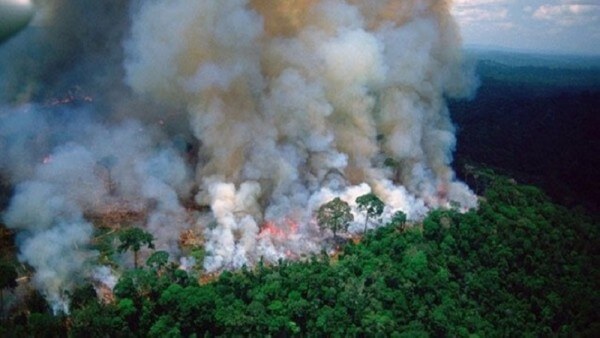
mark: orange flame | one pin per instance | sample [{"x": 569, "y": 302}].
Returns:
[{"x": 271, "y": 229}]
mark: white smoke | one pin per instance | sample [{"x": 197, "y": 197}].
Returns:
[
  {"x": 298, "y": 102},
  {"x": 260, "y": 111},
  {"x": 98, "y": 169}
]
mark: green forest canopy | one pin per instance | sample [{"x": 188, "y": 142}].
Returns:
[{"x": 518, "y": 266}]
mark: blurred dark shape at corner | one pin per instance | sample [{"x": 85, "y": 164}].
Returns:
[{"x": 15, "y": 15}]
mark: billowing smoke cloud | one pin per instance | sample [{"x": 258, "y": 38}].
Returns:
[
  {"x": 260, "y": 111},
  {"x": 334, "y": 87}
]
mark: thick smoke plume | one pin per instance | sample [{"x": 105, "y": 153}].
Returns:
[{"x": 235, "y": 119}]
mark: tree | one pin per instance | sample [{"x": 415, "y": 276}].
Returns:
[
  {"x": 136, "y": 283},
  {"x": 82, "y": 296},
  {"x": 99, "y": 320},
  {"x": 334, "y": 215},
  {"x": 158, "y": 260},
  {"x": 399, "y": 220},
  {"x": 8, "y": 279},
  {"x": 371, "y": 204},
  {"x": 133, "y": 239}
]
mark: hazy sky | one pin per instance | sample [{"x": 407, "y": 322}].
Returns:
[{"x": 565, "y": 26}]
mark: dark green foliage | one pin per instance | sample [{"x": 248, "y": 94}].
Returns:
[
  {"x": 35, "y": 302},
  {"x": 536, "y": 121},
  {"x": 133, "y": 239},
  {"x": 334, "y": 215},
  {"x": 45, "y": 325},
  {"x": 518, "y": 266},
  {"x": 8, "y": 276},
  {"x": 37, "y": 321},
  {"x": 398, "y": 220},
  {"x": 371, "y": 205},
  {"x": 96, "y": 320},
  {"x": 83, "y": 296},
  {"x": 158, "y": 260}
]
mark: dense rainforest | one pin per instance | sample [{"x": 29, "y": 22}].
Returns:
[
  {"x": 525, "y": 263},
  {"x": 520, "y": 265},
  {"x": 536, "y": 119}
]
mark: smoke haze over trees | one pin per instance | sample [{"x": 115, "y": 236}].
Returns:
[{"x": 258, "y": 113}]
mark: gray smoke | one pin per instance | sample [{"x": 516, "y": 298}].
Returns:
[{"x": 261, "y": 111}]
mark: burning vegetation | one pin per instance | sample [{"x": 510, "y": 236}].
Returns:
[{"x": 222, "y": 127}]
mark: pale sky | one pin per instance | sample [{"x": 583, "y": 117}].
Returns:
[{"x": 563, "y": 26}]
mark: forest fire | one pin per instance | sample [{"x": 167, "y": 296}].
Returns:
[
  {"x": 288, "y": 228},
  {"x": 270, "y": 229},
  {"x": 117, "y": 215},
  {"x": 219, "y": 123},
  {"x": 189, "y": 238},
  {"x": 176, "y": 168}
]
